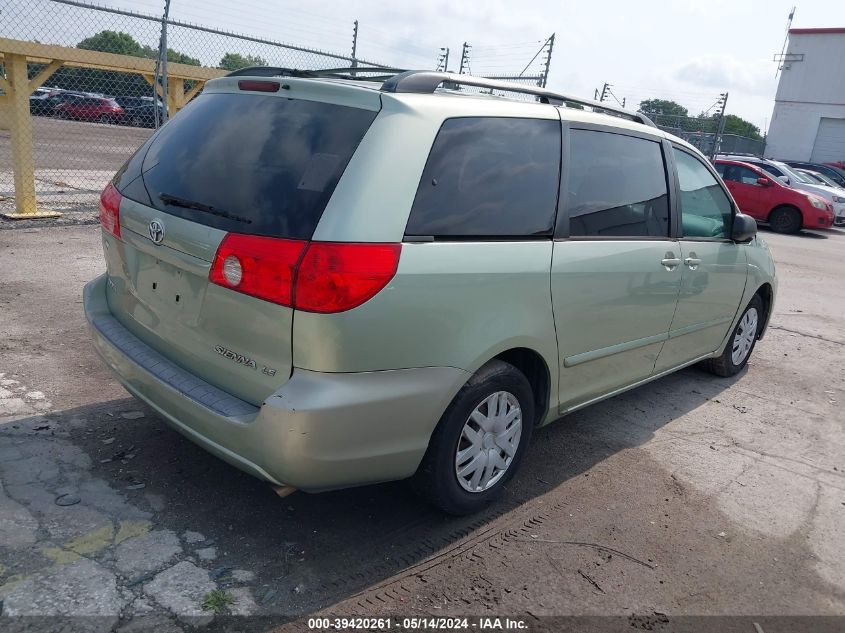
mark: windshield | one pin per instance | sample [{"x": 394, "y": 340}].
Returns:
[
  {"x": 793, "y": 175},
  {"x": 813, "y": 177},
  {"x": 824, "y": 180}
]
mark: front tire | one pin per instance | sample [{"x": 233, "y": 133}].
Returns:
[
  {"x": 785, "y": 220},
  {"x": 479, "y": 441},
  {"x": 741, "y": 342}
]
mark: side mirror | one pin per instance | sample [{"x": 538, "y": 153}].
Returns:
[
  {"x": 763, "y": 182},
  {"x": 784, "y": 179},
  {"x": 744, "y": 228}
]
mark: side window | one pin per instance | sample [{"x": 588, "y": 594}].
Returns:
[
  {"x": 489, "y": 177},
  {"x": 746, "y": 176},
  {"x": 705, "y": 208},
  {"x": 617, "y": 186},
  {"x": 773, "y": 170}
]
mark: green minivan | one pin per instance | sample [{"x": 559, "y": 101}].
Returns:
[{"x": 328, "y": 280}]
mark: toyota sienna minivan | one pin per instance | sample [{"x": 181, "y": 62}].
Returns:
[{"x": 330, "y": 281}]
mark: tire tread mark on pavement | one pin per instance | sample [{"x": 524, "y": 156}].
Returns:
[{"x": 470, "y": 548}]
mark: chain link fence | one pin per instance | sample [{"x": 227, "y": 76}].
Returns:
[
  {"x": 94, "y": 95},
  {"x": 702, "y": 134},
  {"x": 87, "y": 118}
]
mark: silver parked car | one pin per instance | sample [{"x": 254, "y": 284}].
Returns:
[{"x": 329, "y": 281}]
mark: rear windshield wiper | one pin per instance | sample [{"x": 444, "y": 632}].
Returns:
[{"x": 176, "y": 201}]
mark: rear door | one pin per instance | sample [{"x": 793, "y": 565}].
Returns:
[
  {"x": 233, "y": 161},
  {"x": 90, "y": 108},
  {"x": 714, "y": 269},
  {"x": 616, "y": 270}
]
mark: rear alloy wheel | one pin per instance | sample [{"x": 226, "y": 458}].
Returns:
[
  {"x": 785, "y": 220},
  {"x": 104, "y": 118},
  {"x": 741, "y": 343},
  {"x": 488, "y": 442},
  {"x": 479, "y": 442}
]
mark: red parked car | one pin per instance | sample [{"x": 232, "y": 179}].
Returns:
[
  {"x": 767, "y": 199},
  {"x": 90, "y": 109}
]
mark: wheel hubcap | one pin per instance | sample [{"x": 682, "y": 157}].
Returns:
[
  {"x": 488, "y": 442},
  {"x": 744, "y": 337}
]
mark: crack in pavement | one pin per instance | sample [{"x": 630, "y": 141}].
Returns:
[
  {"x": 82, "y": 558},
  {"x": 800, "y": 333}
]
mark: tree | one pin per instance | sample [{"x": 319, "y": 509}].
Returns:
[
  {"x": 112, "y": 82},
  {"x": 741, "y": 127},
  {"x": 657, "y": 107},
  {"x": 181, "y": 58},
  {"x": 113, "y": 42},
  {"x": 236, "y": 61},
  {"x": 124, "y": 44}
]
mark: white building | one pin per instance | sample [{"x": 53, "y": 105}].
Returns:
[{"x": 808, "y": 122}]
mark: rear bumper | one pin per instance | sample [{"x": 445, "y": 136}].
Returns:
[{"x": 318, "y": 431}]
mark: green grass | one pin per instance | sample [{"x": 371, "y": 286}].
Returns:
[{"x": 216, "y": 601}]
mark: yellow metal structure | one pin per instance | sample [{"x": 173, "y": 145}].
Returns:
[{"x": 17, "y": 87}]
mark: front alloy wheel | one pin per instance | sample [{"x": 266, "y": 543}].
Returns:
[
  {"x": 741, "y": 342},
  {"x": 745, "y": 335}
]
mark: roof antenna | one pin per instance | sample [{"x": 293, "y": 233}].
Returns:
[{"x": 785, "y": 40}]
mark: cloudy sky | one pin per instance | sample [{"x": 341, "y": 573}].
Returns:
[{"x": 686, "y": 50}]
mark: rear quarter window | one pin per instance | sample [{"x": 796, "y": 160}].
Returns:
[
  {"x": 252, "y": 164},
  {"x": 489, "y": 177}
]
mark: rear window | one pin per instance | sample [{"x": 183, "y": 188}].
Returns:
[{"x": 251, "y": 163}]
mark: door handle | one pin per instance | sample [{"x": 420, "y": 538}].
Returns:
[
  {"x": 692, "y": 262},
  {"x": 670, "y": 262}
]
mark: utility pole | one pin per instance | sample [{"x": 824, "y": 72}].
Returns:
[
  {"x": 443, "y": 59},
  {"x": 161, "y": 70},
  {"x": 354, "y": 46},
  {"x": 604, "y": 90},
  {"x": 551, "y": 42},
  {"x": 785, "y": 40},
  {"x": 720, "y": 124},
  {"x": 464, "y": 58}
]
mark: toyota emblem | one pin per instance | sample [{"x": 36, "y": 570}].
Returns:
[{"x": 156, "y": 231}]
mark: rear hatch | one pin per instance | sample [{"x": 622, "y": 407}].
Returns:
[{"x": 256, "y": 158}]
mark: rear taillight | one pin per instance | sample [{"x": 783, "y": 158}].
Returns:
[
  {"x": 312, "y": 276},
  {"x": 110, "y": 210},
  {"x": 263, "y": 267},
  {"x": 334, "y": 277}
]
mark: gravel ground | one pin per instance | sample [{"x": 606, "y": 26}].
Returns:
[
  {"x": 73, "y": 162},
  {"x": 693, "y": 495}
]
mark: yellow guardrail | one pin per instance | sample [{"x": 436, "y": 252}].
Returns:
[{"x": 17, "y": 87}]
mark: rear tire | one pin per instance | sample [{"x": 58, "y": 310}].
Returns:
[
  {"x": 741, "y": 342},
  {"x": 479, "y": 441},
  {"x": 104, "y": 118},
  {"x": 785, "y": 220}
]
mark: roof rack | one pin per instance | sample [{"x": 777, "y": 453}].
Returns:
[
  {"x": 426, "y": 82},
  {"x": 352, "y": 72}
]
